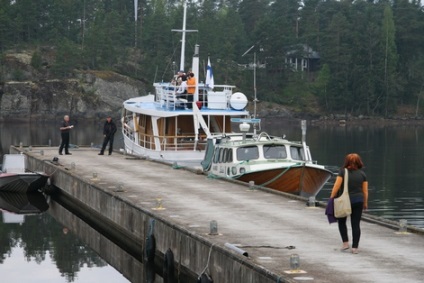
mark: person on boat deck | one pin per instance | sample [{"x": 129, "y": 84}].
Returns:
[
  {"x": 191, "y": 88},
  {"x": 358, "y": 193},
  {"x": 109, "y": 130},
  {"x": 182, "y": 89},
  {"x": 177, "y": 79},
  {"x": 64, "y": 134}
]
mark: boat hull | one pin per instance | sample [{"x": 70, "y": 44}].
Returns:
[
  {"x": 302, "y": 180},
  {"x": 22, "y": 182}
]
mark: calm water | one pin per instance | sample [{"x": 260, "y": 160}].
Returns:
[
  {"x": 51, "y": 248},
  {"x": 392, "y": 155},
  {"x": 48, "y": 247}
]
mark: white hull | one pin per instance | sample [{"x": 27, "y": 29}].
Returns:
[
  {"x": 167, "y": 156},
  {"x": 173, "y": 124}
]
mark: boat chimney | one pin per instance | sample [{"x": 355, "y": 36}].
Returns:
[{"x": 195, "y": 70}]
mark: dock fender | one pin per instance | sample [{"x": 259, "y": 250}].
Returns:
[
  {"x": 150, "y": 244},
  {"x": 204, "y": 278},
  {"x": 168, "y": 267},
  {"x": 149, "y": 271}
]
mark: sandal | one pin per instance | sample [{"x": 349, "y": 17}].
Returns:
[{"x": 354, "y": 251}]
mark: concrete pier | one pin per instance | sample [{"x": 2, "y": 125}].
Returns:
[{"x": 266, "y": 225}]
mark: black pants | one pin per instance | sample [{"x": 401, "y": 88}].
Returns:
[
  {"x": 64, "y": 143},
  {"x": 190, "y": 98},
  {"x": 106, "y": 140},
  {"x": 355, "y": 219}
]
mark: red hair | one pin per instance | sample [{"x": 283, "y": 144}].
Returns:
[{"x": 353, "y": 162}]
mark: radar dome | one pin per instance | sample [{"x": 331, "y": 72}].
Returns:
[{"x": 238, "y": 101}]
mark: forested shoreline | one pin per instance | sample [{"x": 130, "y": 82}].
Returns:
[{"x": 371, "y": 53}]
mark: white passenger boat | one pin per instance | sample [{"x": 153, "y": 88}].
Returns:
[{"x": 160, "y": 126}]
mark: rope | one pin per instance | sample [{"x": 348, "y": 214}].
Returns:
[
  {"x": 176, "y": 166},
  {"x": 269, "y": 247},
  {"x": 207, "y": 263},
  {"x": 279, "y": 175},
  {"x": 179, "y": 260}
]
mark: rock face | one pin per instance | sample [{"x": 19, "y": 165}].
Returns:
[{"x": 89, "y": 95}]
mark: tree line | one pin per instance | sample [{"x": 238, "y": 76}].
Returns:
[{"x": 370, "y": 53}]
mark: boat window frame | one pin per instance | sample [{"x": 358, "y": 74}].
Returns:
[
  {"x": 230, "y": 155},
  {"x": 248, "y": 154},
  {"x": 274, "y": 156},
  {"x": 297, "y": 153},
  {"x": 216, "y": 156}
]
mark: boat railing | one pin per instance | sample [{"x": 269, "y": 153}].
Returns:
[
  {"x": 167, "y": 142},
  {"x": 218, "y": 98},
  {"x": 167, "y": 96},
  {"x": 128, "y": 131},
  {"x": 186, "y": 142}
]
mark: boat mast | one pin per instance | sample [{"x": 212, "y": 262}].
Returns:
[{"x": 183, "y": 36}]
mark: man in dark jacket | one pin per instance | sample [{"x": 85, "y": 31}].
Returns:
[
  {"x": 109, "y": 131},
  {"x": 64, "y": 133}
]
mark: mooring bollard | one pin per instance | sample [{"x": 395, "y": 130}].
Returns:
[
  {"x": 213, "y": 227},
  {"x": 294, "y": 262},
  {"x": 403, "y": 226},
  {"x": 251, "y": 185},
  {"x": 311, "y": 202}
]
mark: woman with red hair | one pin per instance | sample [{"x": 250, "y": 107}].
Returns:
[{"x": 358, "y": 193}]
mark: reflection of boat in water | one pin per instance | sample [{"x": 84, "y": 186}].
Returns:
[
  {"x": 14, "y": 176},
  {"x": 268, "y": 161},
  {"x": 164, "y": 125},
  {"x": 31, "y": 203}
]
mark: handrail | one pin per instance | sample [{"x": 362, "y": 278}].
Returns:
[{"x": 179, "y": 142}]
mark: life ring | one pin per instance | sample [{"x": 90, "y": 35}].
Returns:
[{"x": 168, "y": 267}]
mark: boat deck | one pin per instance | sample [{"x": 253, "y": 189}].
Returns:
[{"x": 264, "y": 224}]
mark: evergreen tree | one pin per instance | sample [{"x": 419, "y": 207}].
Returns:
[{"x": 390, "y": 61}]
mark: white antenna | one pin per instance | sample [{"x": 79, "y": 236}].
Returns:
[{"x": 254, "y": 78}]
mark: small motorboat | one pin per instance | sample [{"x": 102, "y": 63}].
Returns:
[
  {"x": 266, "y": 161},
  {"x": 16, "y": 178}
]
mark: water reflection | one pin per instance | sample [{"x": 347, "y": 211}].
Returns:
[
  {"x": 21, "y": 204},
  {"x": 130, "y": 267},
  {"x": 35, "y": 248}
]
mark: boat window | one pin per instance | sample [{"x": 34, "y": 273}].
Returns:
[
  {"x": 297, "y": 153},
  {"x": 230, "y": 156},
  {"x": 216, "y": 156},
  {"x": 224, "y": 155},
  {"x": 247, "y": 153},
  {"x": 221, "y": 155},
  {"x": 275, "y": 152}
]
